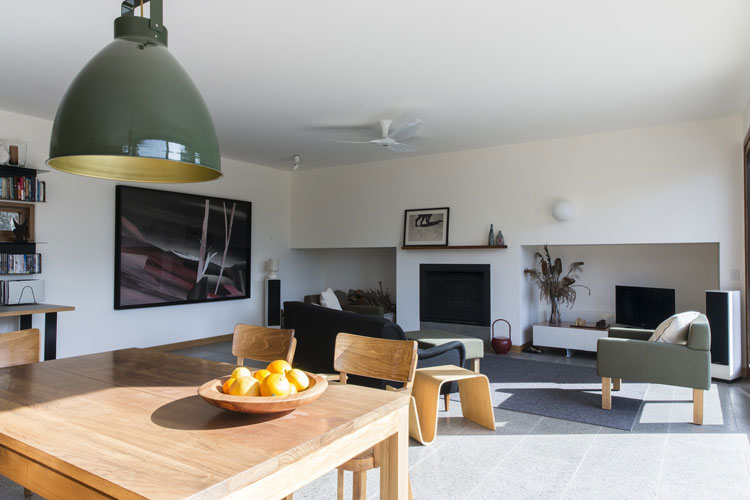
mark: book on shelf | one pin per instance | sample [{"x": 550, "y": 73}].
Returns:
[
  {"x": 23, "y": 189},
  {"x": 13, "y": 292},
  {"x": 20, "y": 263}
]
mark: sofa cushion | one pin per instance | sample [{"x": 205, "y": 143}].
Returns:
[
  {"x": 674, "y": 329},
  {"x": 328, "y": 299}
]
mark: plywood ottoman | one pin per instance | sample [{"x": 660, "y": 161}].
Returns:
[{"x": 476, "y": 401}]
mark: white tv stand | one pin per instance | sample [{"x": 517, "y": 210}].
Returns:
[{"x": 565, "y": 336}]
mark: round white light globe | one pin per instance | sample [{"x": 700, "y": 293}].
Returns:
[{"x": 563, "y": 211}]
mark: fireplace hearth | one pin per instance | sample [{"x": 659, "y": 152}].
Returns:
[{"x": 455, "y": 293}]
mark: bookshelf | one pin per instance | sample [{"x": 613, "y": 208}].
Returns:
[{"x": 20, "y": 191}]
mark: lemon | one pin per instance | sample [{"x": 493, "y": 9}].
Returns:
[
  {"x": 245, "y": 386},
  {"x": 279, "y": 366},
  {"x": 241, "y": 371},
  {"x": 261, "y": 374},
  {"x": 298, "y": 379},
  {"x": 275, "y": 385},
  {"x": 292, "y": 389}
]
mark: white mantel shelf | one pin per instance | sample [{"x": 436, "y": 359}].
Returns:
[{"x": 455, "y": 247}]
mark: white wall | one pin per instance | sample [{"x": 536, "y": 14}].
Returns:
[
  {"x": 355, "y": 268},
  {"x": 78, "y": 225},
  {"x": 688, "y": 268},
  {"x": 667, "y": 184}
]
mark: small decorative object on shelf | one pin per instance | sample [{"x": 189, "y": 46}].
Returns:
[
  {"x": 491, "y": 237},
  {"x": 500, "y": 239},
  {"x": 554, "y": 287},
  {"x": 501, "y": 345},
  {"x": 16, "y": 152},
  {"x": 21, "y": 231},
  {"x": 580, "y": 322},
  {"x": 601, "y": 324}
]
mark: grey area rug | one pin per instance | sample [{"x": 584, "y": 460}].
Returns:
[{"x": 557, "y": 390}]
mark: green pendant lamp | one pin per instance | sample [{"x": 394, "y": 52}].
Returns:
[{"x": 133, "y": 113}]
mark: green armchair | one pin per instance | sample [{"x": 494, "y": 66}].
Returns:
[{"x": 627, "y": 354}]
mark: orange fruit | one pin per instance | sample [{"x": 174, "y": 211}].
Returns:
[
  {"x": 279, "y": 366},
  {"x": 275, "y": 385},
  {"x": 261, "y": 374},
  {"x": 298, "y": 379},
  {"x": 227, "y": 385},
  {"x": 241, "y": 371},
  {"x": 245, "y": 386}
]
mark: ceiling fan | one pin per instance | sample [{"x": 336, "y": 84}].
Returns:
[{"x": 392, "y": 140}]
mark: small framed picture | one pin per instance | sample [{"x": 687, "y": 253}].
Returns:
[{"x": 426, "y": 226}]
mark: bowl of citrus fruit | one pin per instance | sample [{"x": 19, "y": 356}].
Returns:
[{"x": 276, "y": 388}]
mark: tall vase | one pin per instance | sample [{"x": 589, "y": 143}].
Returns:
[
  {"x": 554, "y": 313},
  {"x": 491, "y": 236}
]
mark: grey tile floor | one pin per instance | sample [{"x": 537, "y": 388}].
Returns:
[{"x": 534, "y": 457}]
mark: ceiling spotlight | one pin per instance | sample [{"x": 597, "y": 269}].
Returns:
[{"x": 297, "y": 159}]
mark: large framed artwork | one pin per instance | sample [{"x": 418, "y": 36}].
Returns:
[
  {"x": 426, "y": 226},
  {"x": 175, "y": 248}
]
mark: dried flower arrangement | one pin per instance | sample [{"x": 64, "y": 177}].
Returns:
[{"x": 554, "y": 287}]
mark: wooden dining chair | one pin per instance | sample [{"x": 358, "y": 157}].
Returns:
[
  {"x": 19, "y": 348},
  {"x": 393, "y": 360},
  {"x": 262, "y": 344}
]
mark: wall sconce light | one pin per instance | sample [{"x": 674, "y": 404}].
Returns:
[{"x": 563, "y": 211}]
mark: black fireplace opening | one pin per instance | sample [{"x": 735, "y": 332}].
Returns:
[{"x": 455, "y": 293}]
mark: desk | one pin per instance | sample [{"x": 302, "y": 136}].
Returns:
[
  {"x": 50, "y": 322},
  {"x": 129, "y": 424}
]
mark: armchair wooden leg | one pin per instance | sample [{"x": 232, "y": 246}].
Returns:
[
  {"x": 447, "y": 398},
  {"x": 606, "y": 394},
  {"x": 27, "y": 492},
  {"x": 475, "y": 365},
  {"x": 616, "y": 384},
  {"x": 340, "y": 485},
  {"x": 698, "y": 406},
  {"x": 359, "y": 485}
]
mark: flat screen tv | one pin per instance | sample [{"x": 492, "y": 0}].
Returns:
[{"x": 643, "y": 307}]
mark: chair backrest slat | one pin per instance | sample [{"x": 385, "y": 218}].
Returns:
[
  {"x": 393, "y": 360},
  {"x": 19, "y": 348},
  {"x": 263, "y": 344}
]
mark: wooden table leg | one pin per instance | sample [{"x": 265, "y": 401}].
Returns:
[{"x": 394, "y": 461}]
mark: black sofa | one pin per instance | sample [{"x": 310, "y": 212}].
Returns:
[{"x": 315, "y": 328}]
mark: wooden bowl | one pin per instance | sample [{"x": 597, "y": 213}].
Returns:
[{"x": 212, "y": 394}]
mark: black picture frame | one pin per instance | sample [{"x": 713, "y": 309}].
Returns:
[
  {"x": 158, "y": 240},
  {"x": 425, "y": 216}
]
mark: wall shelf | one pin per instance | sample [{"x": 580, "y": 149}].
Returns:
[
  {"x": 455, "y": 247},
  {"x": 14, "y": 171}
]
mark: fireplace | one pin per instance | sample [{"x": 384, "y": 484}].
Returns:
[{"x": 455, "y": 293}]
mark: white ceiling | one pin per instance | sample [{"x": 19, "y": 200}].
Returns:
[{"x": 279, "y": 76}]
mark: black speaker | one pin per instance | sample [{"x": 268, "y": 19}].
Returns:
[
  {"x": 723, "y": 313},
  {"x": 717, "y": 312},
  {"x": 273, "y": 302}
]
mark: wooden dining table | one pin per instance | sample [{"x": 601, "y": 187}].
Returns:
[{"x": 128, "y": 424}]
